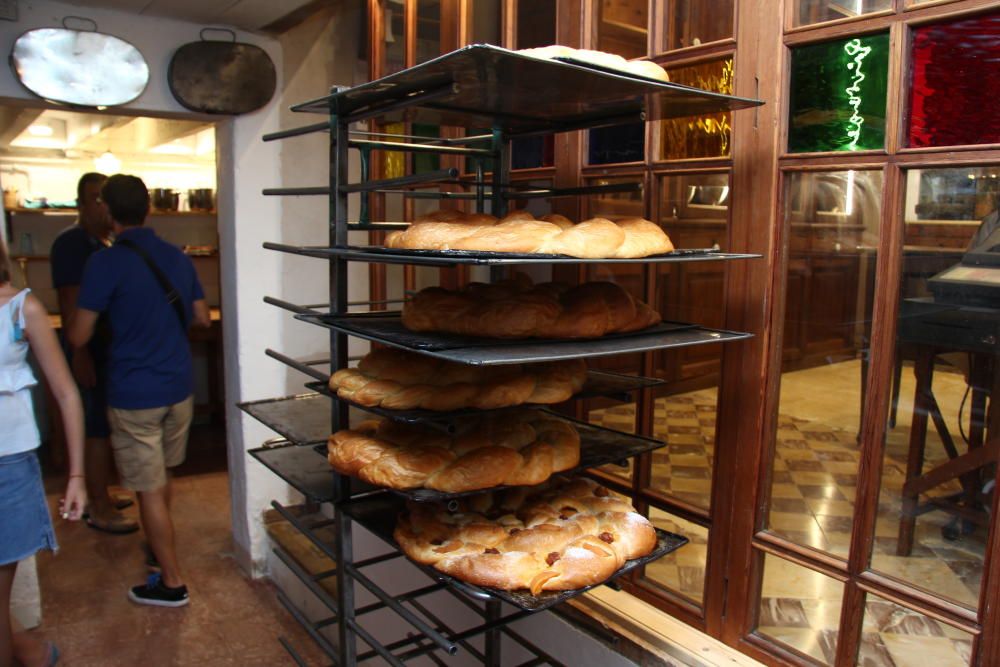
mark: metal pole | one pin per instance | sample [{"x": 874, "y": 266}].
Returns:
[
  {"x": 493, "y": 638},
  {"x": 343, "y": 546}
]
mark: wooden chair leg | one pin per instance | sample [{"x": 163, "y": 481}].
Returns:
[{"x": 897, "y": 377}]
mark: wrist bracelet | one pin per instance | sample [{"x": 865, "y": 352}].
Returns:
[{"x": 79, "y": 475}]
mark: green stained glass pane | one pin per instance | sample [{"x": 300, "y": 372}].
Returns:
[
  {"x": 838, "y": 93},
  {"x": 423, "y": 162},
  {"x": 699, "y": 136}
]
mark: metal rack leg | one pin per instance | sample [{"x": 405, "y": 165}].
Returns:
[
  {"x": 345, "y": 591},
  {"x": 493, "y": 636}
]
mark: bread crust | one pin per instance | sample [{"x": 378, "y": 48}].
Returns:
[
  {"x": 520, "y": 232},
  {"x": 399, "y": 380},
  {"x": 525, "y": 447},
  {"x": 515, "y": 309},
  {"x": 567, "y": 534}
]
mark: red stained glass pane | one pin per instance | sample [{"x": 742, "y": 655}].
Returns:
[{"x": 955, "y": 78}]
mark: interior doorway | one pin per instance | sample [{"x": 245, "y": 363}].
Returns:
[{"x": 43, "y": 152}]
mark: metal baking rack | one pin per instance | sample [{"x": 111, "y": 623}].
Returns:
[
  {"x": 598, "y": 446},
  {"x": 387, "y": 329},
  {"x": 600, "y": 384},
  {"x": 516, "y": 96},
  {"x": 482, "y": 85},
  {"x": 445, "y": 258},
  {"x": 378, "y": 514}
]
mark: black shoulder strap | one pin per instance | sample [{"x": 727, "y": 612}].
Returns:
[{"x": 173, "y": 297}]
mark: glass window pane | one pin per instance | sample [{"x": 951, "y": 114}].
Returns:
[
  {"x": 895, "y": 635},
  {"x": 620, "y": 143},
  {"x": 428, "y": 30},
  {"x": 817, "y": 11},
  {"x": 694, "y": 22},
  {"x": 686, "y": 422},
  {"x": 619, "y": 416},
  {"x": 536, "y": 23},
  {"x": 833, "y": 220},
  {"x": 423, "y": 162},
  {"x": 694, "y": 211},
  {"x": 838, "y": 94},
  {"x": 953, "y": 83},
  {"x": 395, "y": 37},
  {"x": 486, "y": 22},
  {"x": 800, "y": 608},
  {"x": 933, "y": 535},
  {"x": 681, "y": 571},
  {"x": 532, "y": 152},
  {"x": 699, "y": 136},
  {"x": 621, "y": 27}
]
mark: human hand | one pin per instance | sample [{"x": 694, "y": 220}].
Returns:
[
  {"x": 71, "y": 506},
  {"x": 83, "y": 368}
]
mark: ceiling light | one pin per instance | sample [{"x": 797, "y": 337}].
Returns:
[
  {"x": 108, "y": 163},
  {"x": 39, "y": 130}
]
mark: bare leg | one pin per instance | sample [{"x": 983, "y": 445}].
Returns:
[
  {"x": 6, "y": 632},
  {"x": 19, "y": 646},
  {"x": 154, "y": 511}
]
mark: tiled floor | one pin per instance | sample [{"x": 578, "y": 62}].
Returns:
[
  {"x": 813, "y": 490},
  {"x": 230, "y": 621}
]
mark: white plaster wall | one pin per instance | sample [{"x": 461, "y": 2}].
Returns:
[{"x": 245, "y": 165}]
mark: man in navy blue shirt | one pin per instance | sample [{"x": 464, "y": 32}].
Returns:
[
  {"x": 92, "y": 232},
  {"x": 151, "y": 295}
]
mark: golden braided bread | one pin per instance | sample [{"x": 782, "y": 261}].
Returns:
[
  {"x": 571, "y": 534},
  {"x": 400, "y": 380},
  {"x": 524, "y": 447},
  {"x": 517, "y": 309},
  {"x": 610, "y": 60},
  {"x": 520, "y": 232}
]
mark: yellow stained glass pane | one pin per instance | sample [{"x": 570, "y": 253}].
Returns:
[{"x": 699, "y": 136}]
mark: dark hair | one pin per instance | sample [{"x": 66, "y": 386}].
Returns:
[
  {"x": 5, "y": 276},
  {"x": 127, "y": 199},
  {"x": 85, "y": 180}
]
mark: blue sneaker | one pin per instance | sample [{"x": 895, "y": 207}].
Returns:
[{"x": 155, "y": 592}]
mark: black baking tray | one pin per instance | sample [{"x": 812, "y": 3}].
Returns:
[
  {"x": 483, "y": 86},
  {"x": 386, "y": 327},
  {"x": 598, "y": 446},
  {"x": 304, "y": 419},
  {"x": 382, "y": 255},
  {"x": 311, "y": 475},
  {"x": 378, "y": 514},
  {"x": 600, "y": 384}
]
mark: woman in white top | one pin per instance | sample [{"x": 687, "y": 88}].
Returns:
[{"x": 25, "y": 525}]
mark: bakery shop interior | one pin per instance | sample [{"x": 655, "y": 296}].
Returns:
[{"x": 592, "y": 333}]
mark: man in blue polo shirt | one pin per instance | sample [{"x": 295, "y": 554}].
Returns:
[
  {"x": 69, "y": 254},
  {"x": 151, "y": 295}
]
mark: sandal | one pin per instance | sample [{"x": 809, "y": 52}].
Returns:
[
  {"x": 119, "y": 525},
  {"x": 51, "y": 654},
  {"x": 120, "y": 502}
]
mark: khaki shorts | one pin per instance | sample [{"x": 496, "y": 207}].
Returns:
[{"x": 147, "y": 442}]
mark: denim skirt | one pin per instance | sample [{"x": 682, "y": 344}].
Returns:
[{"x": 25, "y": 524}]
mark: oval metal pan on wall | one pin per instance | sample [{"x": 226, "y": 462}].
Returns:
[
  {"x": 221, "y": 77},
  {"x": 83, "y": 68}
]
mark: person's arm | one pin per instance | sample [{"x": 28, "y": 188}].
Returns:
[
  {"x": 81, "y": 363},
  {"x": 45, "y": 347},
  {"x": 82, "y": 329},
  {"x": 201, "y": 314}
]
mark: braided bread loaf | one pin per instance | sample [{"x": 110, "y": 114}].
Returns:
[
  {"x": 525, "y": 447},
  {"x": 517, "y": 309},
  {"x": 570, "y": 535},
  {"x": 400, "y": 380},
  {"x": 610, "y": 60},
  {"x": 520, "y": 232}
]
